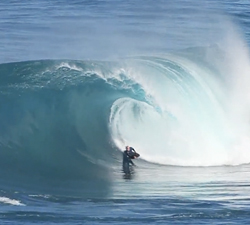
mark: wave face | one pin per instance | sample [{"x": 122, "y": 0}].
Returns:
[
  {"x": 67, "y": 118},
  {"x": 54, "y": 119}
]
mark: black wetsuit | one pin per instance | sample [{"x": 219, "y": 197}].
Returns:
[{"x": 126, "y": 161}]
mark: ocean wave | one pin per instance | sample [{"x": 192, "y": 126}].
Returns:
[{"x": 70, "y": 118}]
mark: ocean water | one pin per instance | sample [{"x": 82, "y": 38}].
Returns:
[{"x": 80, "y": 80}]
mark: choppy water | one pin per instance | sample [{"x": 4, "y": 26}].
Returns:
[{"x": 82, "y": 79}]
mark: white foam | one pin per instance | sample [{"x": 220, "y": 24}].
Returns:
[
  {"x": 9, "y": 201},
  {"x": 69, "y": 66}
]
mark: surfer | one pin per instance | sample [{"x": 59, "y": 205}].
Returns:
[{"x": 129, "y": 154}]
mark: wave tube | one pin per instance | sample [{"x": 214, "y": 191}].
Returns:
[{"x": 194, "y": 115}]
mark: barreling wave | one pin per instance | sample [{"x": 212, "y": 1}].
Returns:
[{"x": 68, "y": 118}]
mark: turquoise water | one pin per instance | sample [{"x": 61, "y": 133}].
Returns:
[{"x": 82, "y": 79}]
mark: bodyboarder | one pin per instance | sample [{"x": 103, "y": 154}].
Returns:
[{"x": 128, "y": 154}]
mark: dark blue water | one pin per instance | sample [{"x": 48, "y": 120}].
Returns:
[{"x": 80, "y": 80}]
